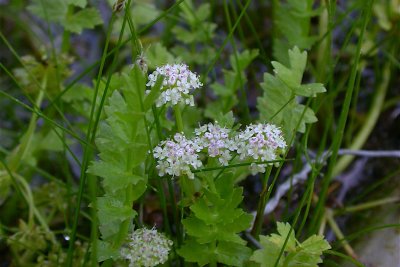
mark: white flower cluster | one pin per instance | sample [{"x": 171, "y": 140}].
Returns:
[
  {"x": 217, "y": 141},
  {"x": 178, "y": 82},
  {"x": 175, "y": 157},
  {"x": 257, "y": 142},
  {"x": 260, "y": 142},
  {"x": 146, "y": 247}
]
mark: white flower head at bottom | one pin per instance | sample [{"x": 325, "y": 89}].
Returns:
[
  {"x": 146, "y": 247},
  {"x": 178, "y": 156}
]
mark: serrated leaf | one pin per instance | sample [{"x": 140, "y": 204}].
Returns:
[
  {"x": 310, "y": 89},
  {"x": 306, "y": 254},
  {"x": 58, "y": 11},
  {"x": 226, "y": 120},
  {"x": 158, "y": 55},
  {"x": 111, "y": 209},
  {"x": 298, "y": 61},
  {"x": 52, "y": 10},
  {"x": 279, "y": 104},
  {"x": 292, "y": 21},
  {"x": 232, "y": 254},
  {"x": 78, "y": 3},
  {"x": 192, "y": 251},
  {"x": 106, "y": 251},
  {"x": 86, "y": 18},
  {"x": 268, "y": 255},
  {"x": 242, "y": 60},
  {"x": 283, "y": 234},
  {"x": 114, "y": 178},
  {"x": 315, "y": 243}
]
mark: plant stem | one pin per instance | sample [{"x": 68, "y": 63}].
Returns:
[
  {"x": 337, "y": 140},
  {"x": 21, "y": 151},
  {"x": 261, "y": 205},
  {"x": 368, "y": 205},
  {"x": 88, "y": 149},
  {"x": 369, "y": 122},
  {"x": 335, "y": 228},
  {"x": 178, "y": 118}
]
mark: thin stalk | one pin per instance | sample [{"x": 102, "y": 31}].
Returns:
[
  {"x": 178, "y": 118},
  {"x": 87, "y": 152},
  {"x": 344, "y": 256},
  {"x": 368, "y": 205},
  {"x": 240, "y": 165},
  {"x": 219, "y": 52},
  {"x": 243, "y": 98},
  {"x": 261, "y": 205},
  {"x": 169, "y": 183},
  {"x": 336, "y": 229},
  {"x": 21, "y": 152},
  {"x": 31, "y": 203},
  {"x": 369, "y": 123},
  {"x": 342, "y": 120},
  {"x": 35, "y": 109}
]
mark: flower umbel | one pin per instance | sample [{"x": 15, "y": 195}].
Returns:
[
  {"x": 175, "y": 157},
  {"x": 178, "y": 82},
  {"x": 261, "y": 142},
  {"x": 146, "y": 247},
  {"x": 217, "y": 141}
]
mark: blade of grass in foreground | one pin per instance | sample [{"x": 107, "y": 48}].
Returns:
[{"x": 342, "y": 120}]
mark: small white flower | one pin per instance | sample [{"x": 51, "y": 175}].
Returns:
[
  {"x": 217, "y": 141},
  {"x": 176, "y": 157},
  {"x": 177, "y": 84},
  {"x": 146, "y": 247},
  {"x": 260, "y": 142}
]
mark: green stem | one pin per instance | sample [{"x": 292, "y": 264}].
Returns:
[
  {"x": 335, "y": 228},
  {"x": 88, "y": 149},
  {"x": 66, "y": 42},
  {"x": 368, "y": 205},
  {"x": 369, "y": 122},
  {"x": 261, "y": 205},
  {"x": 337, "y": 140},
  {"x": 22, "y": 150},
  {"x": 178, "y": 118}
]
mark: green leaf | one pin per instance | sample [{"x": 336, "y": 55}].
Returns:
[
  {"x": 114, "y": 178},
  {"x": 310, "y": 89},
  {"x": 154, "y": 94},
  {"x": 86, "y": 18},
  {"x": 226, "y": 120},
  {"x": 111, "y": 209},
  {"x": 268, "y": 255},
  {"x": 283, "y": 233},
  {"x": 306, "y": 254},
  {"x": 232, "y": 254},
  {"x": 216, "y": 222},
  {"x": 59, "y": 11},
  {"x": 78, "y": 3},
  {"x": 123, "y": 147},
  {"x": 292, "y": 22},
  {"x": 158, "y": 55},
  {"x": 106, "y": 251},
  {"x": 195, "y": 252},
  {"x": 279, "y": 103},
  {"x": 52, "y": 10}
]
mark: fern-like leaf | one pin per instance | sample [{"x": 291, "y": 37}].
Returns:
[{"x": 279, "y": 104}]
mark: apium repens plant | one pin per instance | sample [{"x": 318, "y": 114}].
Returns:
[{"x": 203, "y": 164}]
